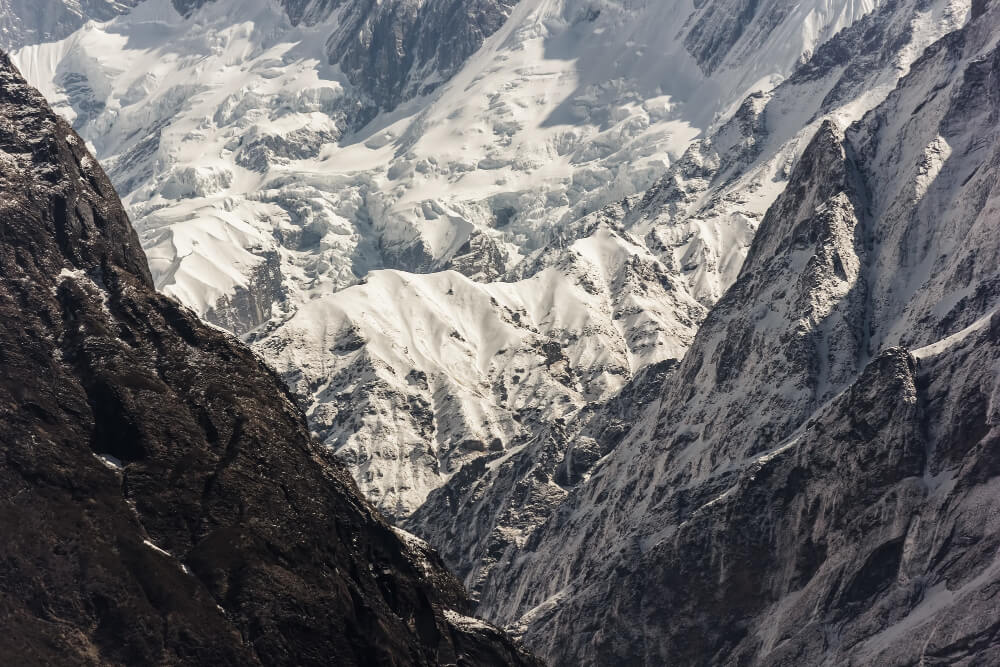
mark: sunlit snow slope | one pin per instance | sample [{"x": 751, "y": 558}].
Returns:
[{"x": 266, "y": 173}]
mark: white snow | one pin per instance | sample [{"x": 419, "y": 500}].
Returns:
[
  {"x": 467, "y": 622},
  {"x": 72, "y": 274},
  {"x": 572, "y": 105},
  {"x": 554, "y": 117},
  {"x": 110, "y": 462},
  {"x": 184, "y": 568},
  {"x": 157, "y": 549},
  {"x": 951, "y": 341}
]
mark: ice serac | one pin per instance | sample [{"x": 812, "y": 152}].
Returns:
[
  {"x": 817, "y": 482},
  {"x": 165, "y": 501}
]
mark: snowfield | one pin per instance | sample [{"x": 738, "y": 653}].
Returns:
[{"x": 265, "y": 186}]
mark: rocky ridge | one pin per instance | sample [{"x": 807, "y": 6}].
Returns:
[
  {"x": 416, "y": 376},
  {"x": 698, "y": 222},
  {"x": 832, "y": 419}
]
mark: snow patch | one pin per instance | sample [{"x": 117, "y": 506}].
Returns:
[{"x": 467, "y": 623}]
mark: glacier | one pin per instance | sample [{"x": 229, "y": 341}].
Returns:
[{"x": 268, "y": 175}]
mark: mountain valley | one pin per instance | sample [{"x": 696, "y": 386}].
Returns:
[{"x": 671, "y": 326}]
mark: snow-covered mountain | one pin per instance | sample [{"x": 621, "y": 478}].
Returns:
[
  {"x": 274, "y": 154},
  {"x": 412, "y": 376},
  {"x": 611, "y": 301},
  {"x": 716, "y": 192}
]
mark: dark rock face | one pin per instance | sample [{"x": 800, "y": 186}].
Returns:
[
  {"x": 249, "y": 307},
  {"x": 267, "y": 150},
  {"x": 165, "y": 504},
  {"x": 718, "y": 26},
  {"x": 391, "y": 49},
  {"x": 309, "y": 11},
  {"x": 188, "y": 7},
  {"x": 480, "y": 258}
]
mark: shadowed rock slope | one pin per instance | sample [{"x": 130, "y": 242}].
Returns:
[{"x": 163, "y": 501}]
